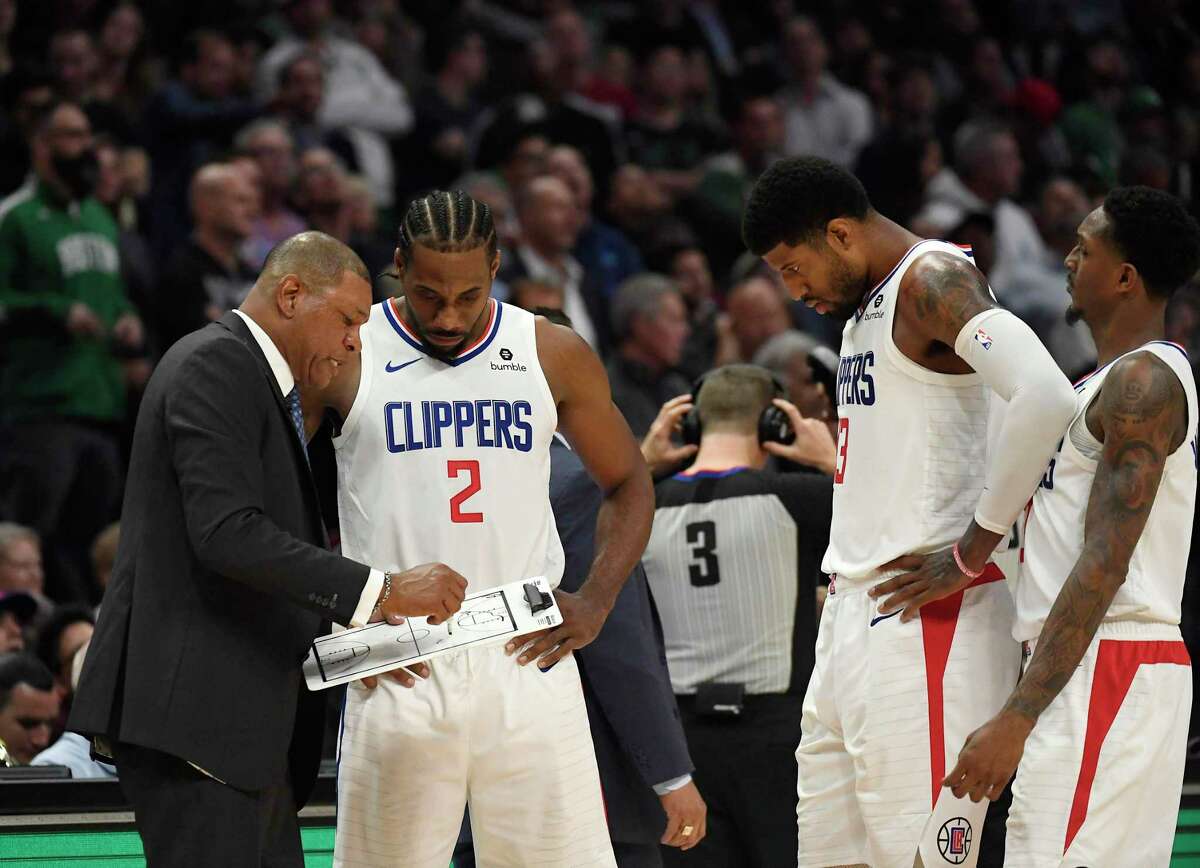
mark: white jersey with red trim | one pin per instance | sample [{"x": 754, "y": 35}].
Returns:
[
  {"x": 1153, "y": 588},
  {"x": 450, "y": 460},
  {"x": 912, "y": 443}
]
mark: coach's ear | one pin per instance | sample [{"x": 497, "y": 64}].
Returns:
[{"x": 287, "y": 295}]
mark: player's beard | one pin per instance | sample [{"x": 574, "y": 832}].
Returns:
[
  {"x": 847, "y": 290},
  {"x": 1073, "y": 315}
]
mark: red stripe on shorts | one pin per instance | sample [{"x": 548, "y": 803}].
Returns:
[
  {"x": 1117, "y": 662},
  {"x": 938, "y": 621}
]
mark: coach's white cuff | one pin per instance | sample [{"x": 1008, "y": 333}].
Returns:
[
  {"x": 672, "y": 785},
  {"x": 366, "y": 603}
]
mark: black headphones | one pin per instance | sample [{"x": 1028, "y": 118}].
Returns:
[{"x": 773, "y": 424}]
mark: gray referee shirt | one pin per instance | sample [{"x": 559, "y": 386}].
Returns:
[{"x": 733, "y": 563}]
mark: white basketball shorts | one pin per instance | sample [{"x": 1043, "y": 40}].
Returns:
[
  {"x": 510, "y": 740},
  {"x": 1100, "y": 780},
  {"x": 888, "y": 707}
]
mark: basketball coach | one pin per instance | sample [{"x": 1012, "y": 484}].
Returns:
[{"x": 193, "y": 681}]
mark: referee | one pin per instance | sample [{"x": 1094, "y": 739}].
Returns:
[{"x": 733, "y": 564}]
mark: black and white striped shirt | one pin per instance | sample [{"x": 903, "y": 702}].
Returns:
[{"x": 733, "y": 563}]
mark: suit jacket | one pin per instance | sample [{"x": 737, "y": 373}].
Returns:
[
  {"x": 222, "y": 578},
  {"x": 635, "y": 723}
]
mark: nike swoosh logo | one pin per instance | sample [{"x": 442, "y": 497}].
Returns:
[
  {"x": 391, "y": 370},
  {"x": 879, "y": 618}
]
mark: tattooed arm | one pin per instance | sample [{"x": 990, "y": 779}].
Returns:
[
  {"x": 1141, "y": 415},
  {"x": 947, "y": 304}
]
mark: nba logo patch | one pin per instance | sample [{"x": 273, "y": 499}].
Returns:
[
  {"x": 983, "y": 339},
  {"x": 954, "y": 840}
]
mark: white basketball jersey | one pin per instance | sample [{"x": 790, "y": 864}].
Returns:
[
  {"x": 912, "y": 443},
  {"x": 450, "y": 460},
  {"x": 1153, "y": 589}
]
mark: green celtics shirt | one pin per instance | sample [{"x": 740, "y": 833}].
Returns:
[{"x": 53, "y": 255}]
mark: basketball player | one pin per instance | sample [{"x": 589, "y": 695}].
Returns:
[
  {"x": 448, "y": 418},
  {"x": 1102, "y": 709},
  {"x": 923, "y": 348}
]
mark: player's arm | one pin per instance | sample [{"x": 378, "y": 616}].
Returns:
[
  {"x": 946, "y": 301},
  {"x": 597, "y": 431},
  {"x": 1142, "y": 414}
]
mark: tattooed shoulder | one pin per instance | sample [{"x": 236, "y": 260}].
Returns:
[
  {"x": 1141, "y": 391},
  {"x": 942, "y": 292}
]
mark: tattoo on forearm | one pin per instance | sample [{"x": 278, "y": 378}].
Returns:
[{"x": 1140, "y": 410}]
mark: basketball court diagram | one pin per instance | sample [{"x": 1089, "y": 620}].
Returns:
[{"x": 484, "y": 618}]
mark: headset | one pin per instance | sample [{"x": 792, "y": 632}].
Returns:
[{"x": 773, "y": 424}]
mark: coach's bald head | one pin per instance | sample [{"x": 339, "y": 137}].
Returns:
[{"x": 313, "y": 295}]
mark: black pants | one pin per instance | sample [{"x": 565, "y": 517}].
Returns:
[
  {"x": 63, "y": 479},
  {"x": 746, "y": 772},
  {"x": 188, "y": 820}
]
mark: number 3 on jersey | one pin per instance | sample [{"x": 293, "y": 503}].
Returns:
[
  {"x": 843, "y": 442},
  {"x": 453, "y": 470}
]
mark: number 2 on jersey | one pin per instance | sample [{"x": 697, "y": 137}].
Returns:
[
  {"x": 453, "y": 470},
  {"x": 843, "y": 442}
]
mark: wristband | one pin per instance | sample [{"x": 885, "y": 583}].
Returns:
[{"x": 962, "y": 566}]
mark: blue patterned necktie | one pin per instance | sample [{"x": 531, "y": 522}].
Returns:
[{"x": 293, "y": 405}]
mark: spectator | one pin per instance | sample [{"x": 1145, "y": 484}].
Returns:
[
  {"x": 522, "y": 158},
  {"x": 896, "y": 168},
  {"x": 487, "y": 188},
  {"x": 298, "y": 103},
  {"x": 637, "y": 204},
  {"x": 104, "y": 554},
  {"x": 373, "y": 247},
  {"x": 1039, "y": 287},
  {"x": 1090, "y": 125},
  {"x": 987, "y": 173},
  {"x": 117, "y": 190},
  {"x": 358, "y": 91},
  {"x": 190, "y": 122},
  {"x": 822, "y": 116},
  {"x": 321, "y": 193},
  {"x": 804, "y": 366},
  {"x": 73, "y": 59},
  {"x": 536, "y": 295},
  {"x": 270, "y": 144},
  {"x": 125, "y": 76},
  {"x": 21, "y": 560},
  {"x": 649, "y": 323},
  {"x": 29, "y": 706},
  {"x": 738, "y": 546},
  {"x": 709, "y": 342},
  {"x": 61, "y": 289},
  {"x": 757, "y": 312},
  {"x": 603, "y": 251},
  {"x": 59, "y": 639},
  {"x": 549, "y": 229},
  {"x": 28, "y": 93},
  {"x": 716, "y": 208},
  {"x": 445, "y": 111},
  {"x": 667, "y": 138},
  {"x": 17, "y": 611},
  {"x": 206, "y": 276},
  {"x": 72, "y": 750}
]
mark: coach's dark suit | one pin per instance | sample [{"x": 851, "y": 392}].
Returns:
[{"x": 221, "y": 582}]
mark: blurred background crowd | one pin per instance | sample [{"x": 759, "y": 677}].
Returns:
[{"x": 152, "y": 153}]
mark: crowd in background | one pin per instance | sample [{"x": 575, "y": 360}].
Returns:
[{"x": 152, "y": 154}]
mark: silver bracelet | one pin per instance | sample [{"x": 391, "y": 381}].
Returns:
[{"x": 387, "y": 590}]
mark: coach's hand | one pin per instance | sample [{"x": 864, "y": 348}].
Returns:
[
  {"x": 990, "y": 757},
  {"x": 433, "y": 590},
  {"x": 582, "y": 619},
  {"x": 660, "y": 452},
  {"x": 929, "y": 577},
  {"x": 686, "y": 812}
]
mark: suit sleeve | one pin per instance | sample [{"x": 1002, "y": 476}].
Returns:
[
  {"x": 626, "y": 668},
  {"x": 214, "y": 418}
]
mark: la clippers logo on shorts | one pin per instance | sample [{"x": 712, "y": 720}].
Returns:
[
  {"x": 983, "y": 339},
  {"x": 954, "y": 840}
]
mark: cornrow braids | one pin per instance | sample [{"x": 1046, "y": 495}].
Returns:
[{"x": 448, "y": 222}]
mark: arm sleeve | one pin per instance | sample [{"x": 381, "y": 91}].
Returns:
[
  {"x": 1012, "y": 361},
  {"x": 213, "y": 433}
]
